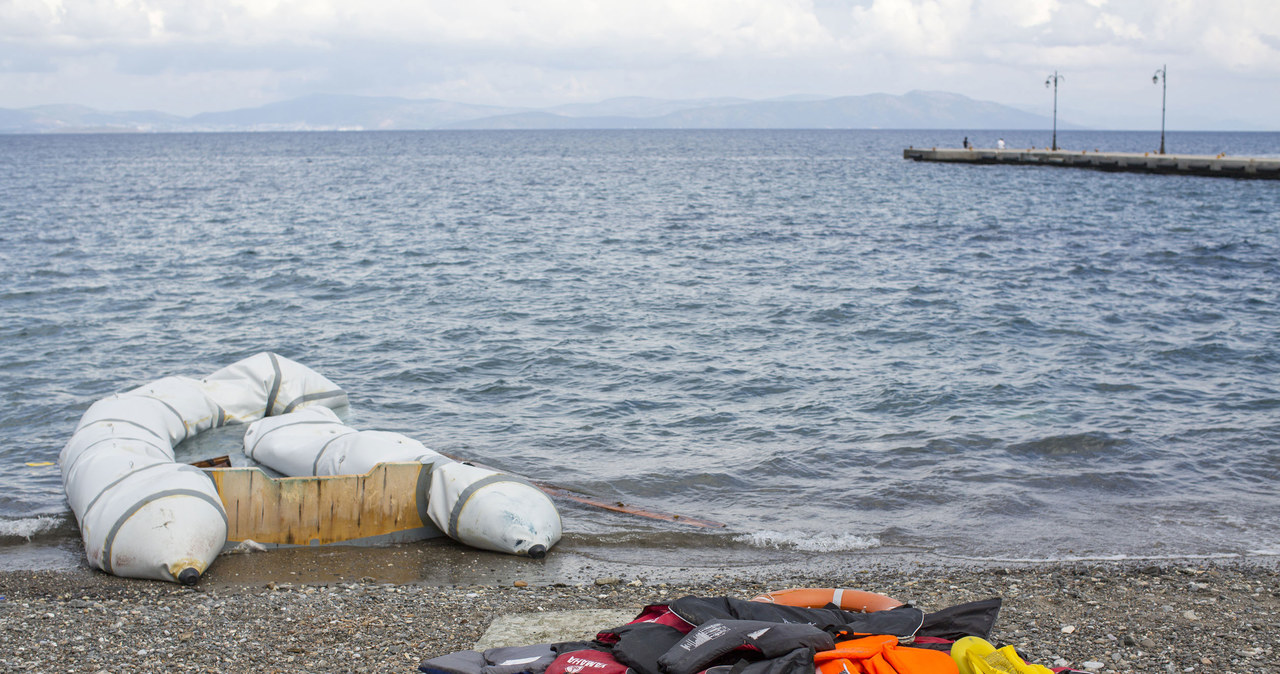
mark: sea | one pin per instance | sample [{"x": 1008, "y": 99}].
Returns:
[{"x": 796, "y": 334}]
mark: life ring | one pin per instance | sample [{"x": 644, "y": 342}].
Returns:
[{"x": 849, "y": 600}]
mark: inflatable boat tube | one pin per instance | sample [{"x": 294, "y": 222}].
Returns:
[
  {"x": 477, "y": 506},
  {"x": 491, "y": 510},
  {"x": 314, "y": 442},
  {"x": 849, "y": 600}
]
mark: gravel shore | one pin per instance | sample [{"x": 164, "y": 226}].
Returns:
[{"x": 1161, "y": 618}]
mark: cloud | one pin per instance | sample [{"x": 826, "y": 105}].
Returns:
[
  {"x": 1240, "y": 33},
  {"x": 1233, "y": 33},
  {"x": 707, "y": 27},
  {"x": 1247, "y": 38},
  {"x": 916, "y": 29},
  {"x": 192, "y": 55}
]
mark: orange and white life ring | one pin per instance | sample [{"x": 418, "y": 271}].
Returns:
[{"x": 849, "y": 600}]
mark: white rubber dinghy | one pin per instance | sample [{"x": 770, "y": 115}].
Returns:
[
  {"x": 142, "y": 515},
  {"x": 477, "y": 506}
]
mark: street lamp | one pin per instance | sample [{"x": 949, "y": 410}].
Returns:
[
  {"x": 1054, "y": 79},
  {"x": 1162, "y": 78}
]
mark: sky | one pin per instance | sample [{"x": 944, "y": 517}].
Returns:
[{"x": 190, "y": 56}]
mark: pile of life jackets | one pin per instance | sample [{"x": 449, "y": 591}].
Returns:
[{"x": 722, "y": 635}]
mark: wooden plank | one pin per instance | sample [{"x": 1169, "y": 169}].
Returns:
[
  {"x": 382, "y": 504},
  {"x": 615, "y": 506}
]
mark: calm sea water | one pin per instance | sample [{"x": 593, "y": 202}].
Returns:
[{"x": 797, "y": 333}]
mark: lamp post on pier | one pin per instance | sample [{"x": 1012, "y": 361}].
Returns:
[
  {"x": 1054, "y": 79},
  {"x": 1161, "y": 77}
]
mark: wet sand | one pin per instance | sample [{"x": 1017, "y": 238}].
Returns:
[{"x": 386, "y": 609}]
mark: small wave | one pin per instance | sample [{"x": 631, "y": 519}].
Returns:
[
  {"x": 28, "y": 528},
  {"x": 1076, "y": 444},
  {"x": 807, "y": 541}
]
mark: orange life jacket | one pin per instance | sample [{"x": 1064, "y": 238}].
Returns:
[{"x": 882, "y": 655}]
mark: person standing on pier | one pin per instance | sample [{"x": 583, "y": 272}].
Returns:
[
  {"x": 1000, "y": 144},
  {"x": 966, "y": 142}
]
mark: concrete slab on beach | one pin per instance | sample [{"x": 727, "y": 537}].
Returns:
[
  {"x": 1219, "y": 166},
  {"x": 546, "y": 627}
]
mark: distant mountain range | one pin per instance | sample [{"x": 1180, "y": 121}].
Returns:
[{"x": 323, "y": 112}]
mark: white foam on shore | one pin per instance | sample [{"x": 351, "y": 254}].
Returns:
[
  {"x": 28, "y": 527},
  {"x": 808, "y": 541},
  {"x": 1067, "y": 559}
]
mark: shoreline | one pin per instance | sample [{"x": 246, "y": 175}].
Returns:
[{"x": 250, "y": 612}]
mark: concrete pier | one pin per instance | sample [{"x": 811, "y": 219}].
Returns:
[{"x": 1219, "y": 166}]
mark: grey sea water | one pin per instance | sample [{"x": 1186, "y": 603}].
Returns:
[{"x": 796, "y": 333}]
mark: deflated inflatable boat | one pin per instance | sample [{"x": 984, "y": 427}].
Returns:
[{"x": 143, "y": 515}]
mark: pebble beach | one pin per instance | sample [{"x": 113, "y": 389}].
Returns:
[{"x": 1165, "y": 617}]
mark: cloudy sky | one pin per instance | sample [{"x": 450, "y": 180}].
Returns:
[{"x": 189, "y": 56}]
